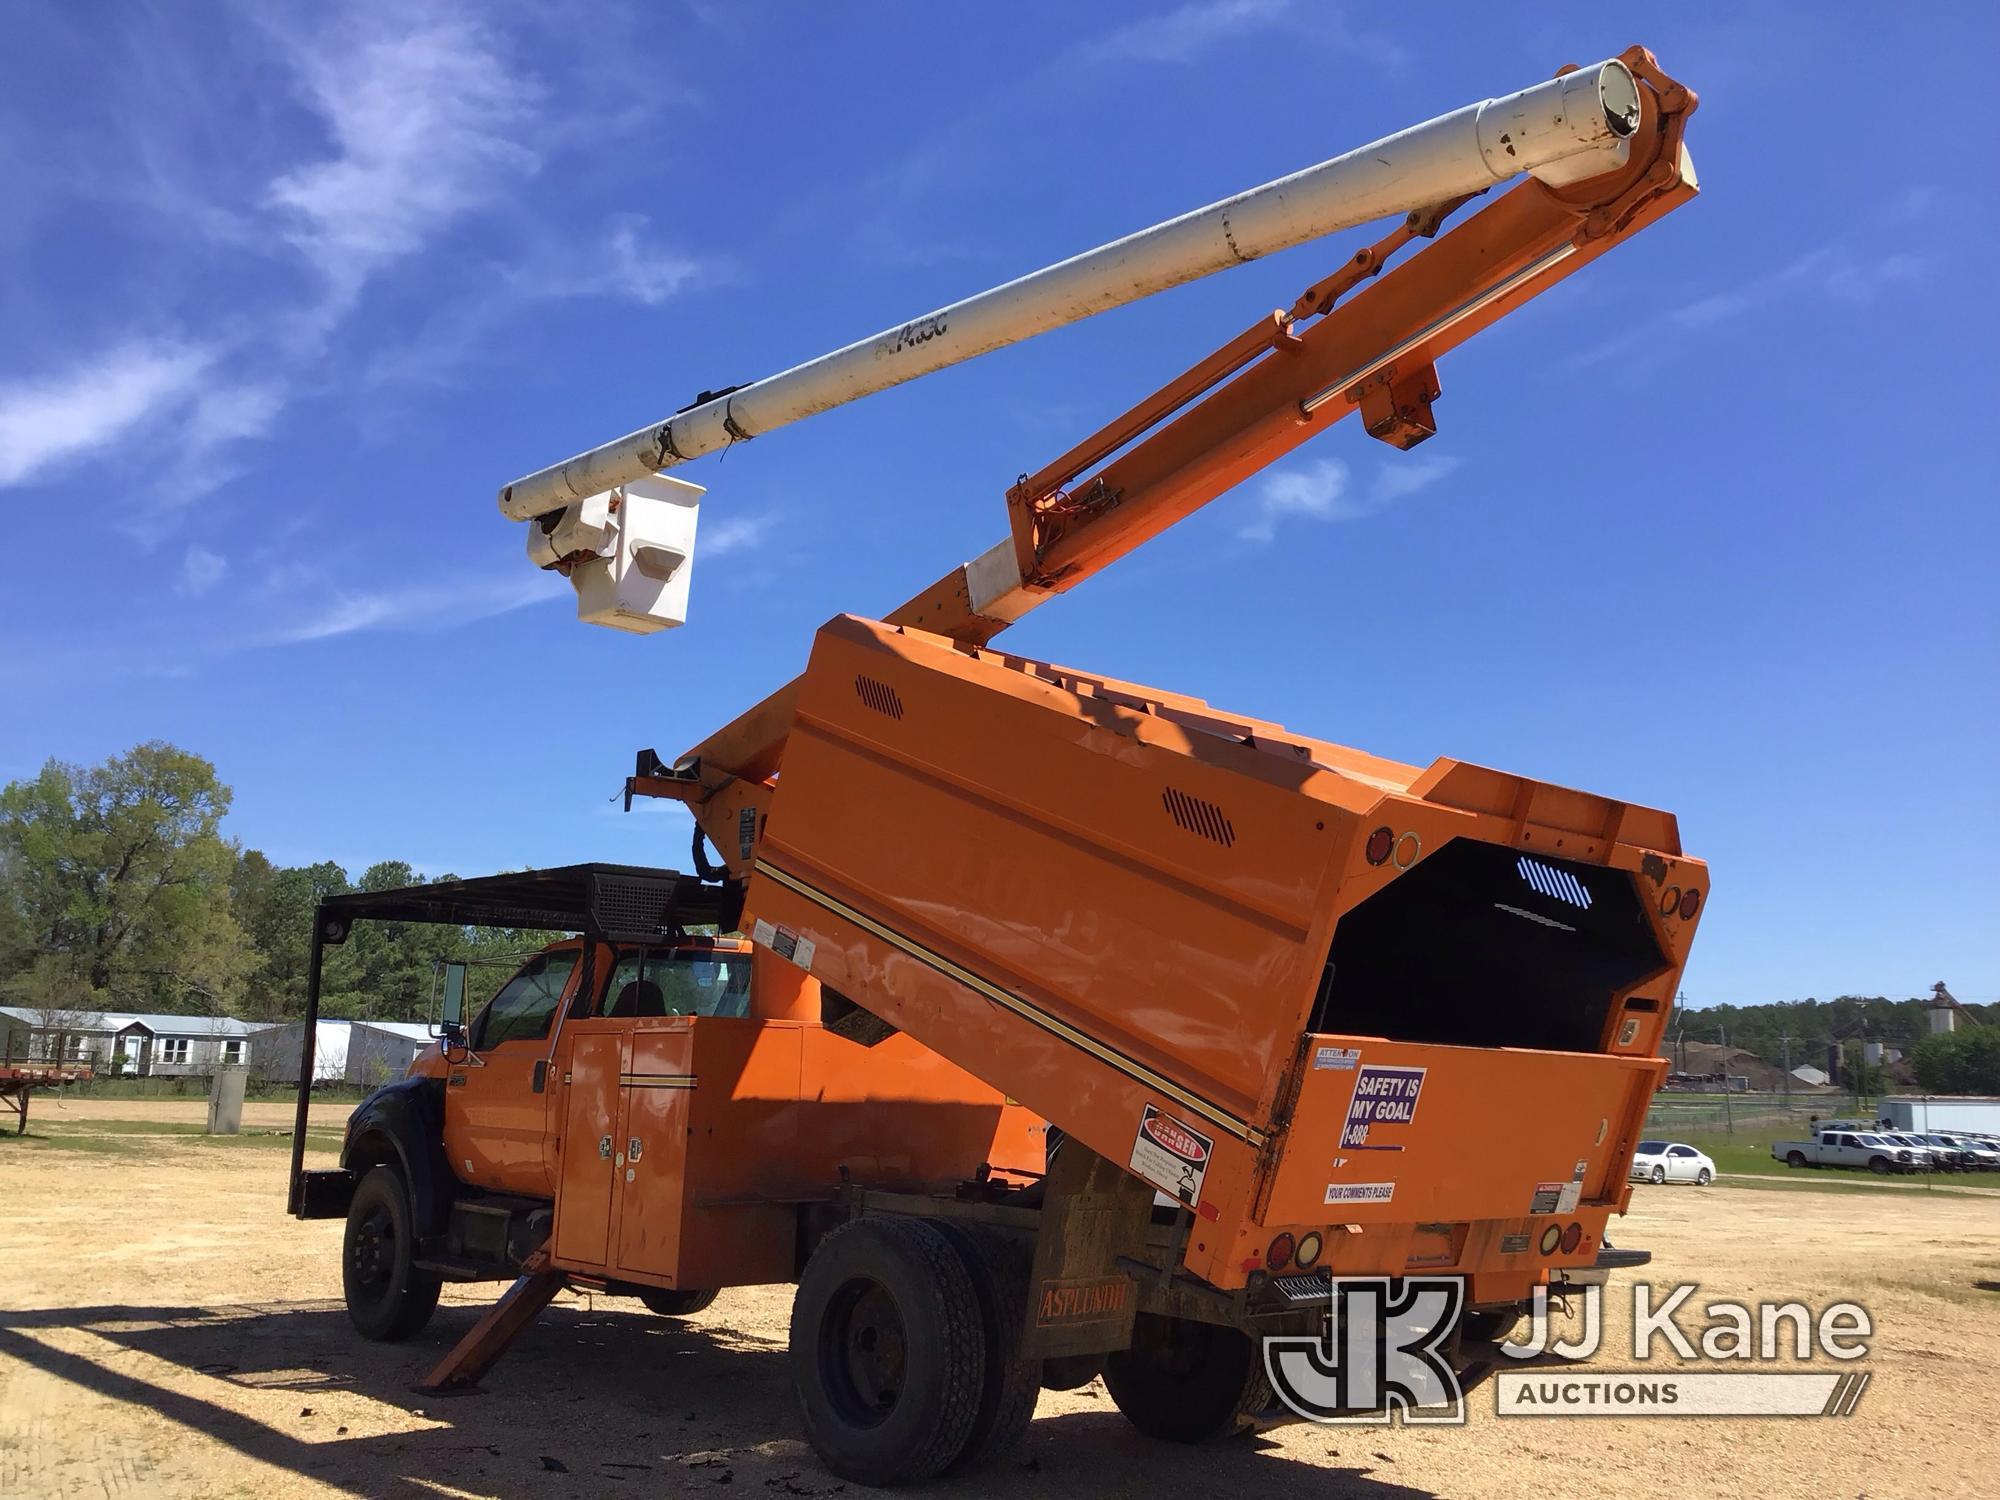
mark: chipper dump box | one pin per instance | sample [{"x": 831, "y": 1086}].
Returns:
[{"x": 1410, "y": 1016}]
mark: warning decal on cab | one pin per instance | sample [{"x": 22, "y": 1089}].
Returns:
[{"x": 1171, "y": 1156}]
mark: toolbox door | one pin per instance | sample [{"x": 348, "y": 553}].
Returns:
[
  {"x": 590, "y": 1148},
  {"x": 659, "y": 1084}
]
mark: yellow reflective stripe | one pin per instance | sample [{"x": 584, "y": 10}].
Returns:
[{"x": 1241, "y": 1129}]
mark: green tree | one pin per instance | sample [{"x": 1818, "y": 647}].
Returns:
[
  {"x": 274, "y": 905},
  {"x": 1959, "y": 1062},
  {"x": 115, "y": 881}
]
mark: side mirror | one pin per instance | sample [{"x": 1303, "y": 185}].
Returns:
[{"x": 451, "y": 1010}]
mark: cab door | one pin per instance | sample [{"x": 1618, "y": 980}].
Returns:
[{"x": 496, "y": 1130}]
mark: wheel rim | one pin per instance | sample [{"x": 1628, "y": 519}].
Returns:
[
  {"x": 1659, "y": 1174},
  {"x": 1703, "y": 1178},
  {"x": 864, "y": 1353},
  {"x": 371, "y": 1255}
]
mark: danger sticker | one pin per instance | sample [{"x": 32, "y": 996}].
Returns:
[
  {"x": 787, "y": 944},
  {"x": 1360, "y": 1192},
  {"x": 1548, "y": 1197},
  {"x": 1342, "y": 1059},
  {"x": 1382, "y": 1109},
  {"x": 1172, "y": 1156}
]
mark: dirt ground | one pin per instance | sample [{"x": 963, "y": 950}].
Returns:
[{"x": 166, "y": 1331}]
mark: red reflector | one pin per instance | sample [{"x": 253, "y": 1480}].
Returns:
[
  {"x": 1572, "y": 1237},
  {"x": 1280, "y": 1253},
  {"x": 1690, "y": 904},
  {"x": 1380, "y": 842}
]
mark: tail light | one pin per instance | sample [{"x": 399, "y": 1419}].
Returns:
[
  {"x": 1280, "y": 1253},
  {"x": 1380, "y": 842},
  {"x": 1572, "y": 1237}
]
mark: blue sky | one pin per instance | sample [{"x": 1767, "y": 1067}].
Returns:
[{"x": 286, "y": 293}]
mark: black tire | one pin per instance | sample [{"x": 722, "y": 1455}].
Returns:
[
  {"x": 1187, "y": 1382},
  {"x": 1000, "y": 1266},
  {"x": 1881, "y": 1166},
  {"x": 1703, "y": 1178},
  {"x": 1071, "y": 1372},
  {"x": 1489, "y": 1325},
  {"x": 671, "y": 1302},
  {"x": 1795, "y": 1158},
  {"x": 888, "y": 1352},
  {"x": 388, "y": 1298},
  {"x": 1659, "y": 1175}
]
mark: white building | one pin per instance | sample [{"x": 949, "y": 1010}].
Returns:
[
  {"x": 127, "y": 1043},
  {"x": 366, "y": 1053}
]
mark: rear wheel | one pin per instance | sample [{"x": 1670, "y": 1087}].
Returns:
[
  {"x": 1000, "y": 1266},
  {"x": 388, "y": 1298},
  {"x": 1703, "y": 1178},
  {"x": 676, "y": 1302},
  {"x": 888, "y": 1351},
  {"x": 1489, "y": 1326},
  {"x": 1187, "y": 1382},
  {"x": 1795, "y": 1158}
]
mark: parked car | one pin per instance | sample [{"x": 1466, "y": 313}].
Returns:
[
  {"x": 1969, "y": 1154},
  {"x": 1852, "y": 1148},
  {"x": 1669, "y": 1161}
]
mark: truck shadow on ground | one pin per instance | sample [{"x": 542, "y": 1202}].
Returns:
[{"x": 593, "y": 1399}]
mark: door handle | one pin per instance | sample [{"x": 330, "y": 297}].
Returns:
[
  {"x": 541, "y": 1080},
  {"x": 632, "y": 1149},
  {"x": 604, "y": 1148}
]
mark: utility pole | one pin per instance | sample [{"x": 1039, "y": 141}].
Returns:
[{"x": 1786, "y": 1041}]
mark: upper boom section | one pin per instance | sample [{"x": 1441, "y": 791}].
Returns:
[{"x": 1571, "y": 127}]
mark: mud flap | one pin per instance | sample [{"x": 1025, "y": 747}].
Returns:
[{"x": 1094, "y": 1213}]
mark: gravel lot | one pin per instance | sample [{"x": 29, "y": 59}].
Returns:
[{"x": 166, "y": 1331}]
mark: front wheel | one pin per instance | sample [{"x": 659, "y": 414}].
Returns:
[
  {"x": 388, "y": 1298},
  {"x": 676, "y": 1302},
  {"x": 1187, "y": 1382},
  {"x": 1659, "y": 1175},
  {"x": 1881, "y": 1166}
]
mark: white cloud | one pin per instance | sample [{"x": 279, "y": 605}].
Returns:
[
  {"x": 1321, "y": 491},
  {"x": 427, "y": 122},
  {"x": 201, "y": 570},
  {"x": 1185, "y": 34},
  {"x": 63, "y": 417},
  {"x": 424, "y": 605},
  {"x": 735, "y": 534}
]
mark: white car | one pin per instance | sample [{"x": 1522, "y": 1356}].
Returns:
[{"x": 1668, "y": 1161}]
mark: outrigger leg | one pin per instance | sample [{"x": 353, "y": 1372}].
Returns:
[{"x": 489, "y": 1338}]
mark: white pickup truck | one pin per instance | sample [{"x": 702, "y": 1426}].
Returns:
[{"x": 1852, "y": 1148}]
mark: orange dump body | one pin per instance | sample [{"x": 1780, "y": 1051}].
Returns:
[{"x": 1300, "y": 987}]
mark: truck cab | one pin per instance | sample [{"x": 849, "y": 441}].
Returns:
[{"x": 653, "y": 1118}]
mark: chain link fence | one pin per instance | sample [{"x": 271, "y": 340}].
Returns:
[{"x": 1779, "y": 1114}]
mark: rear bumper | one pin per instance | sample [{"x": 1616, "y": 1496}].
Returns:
[{"x": 1608, "y": 1260}]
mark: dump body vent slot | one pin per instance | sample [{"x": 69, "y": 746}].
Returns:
[
  {"x": 1199, "y": 816},
  {"x": 878, "y": 696},
  {"x": 1550, "y": 881}
]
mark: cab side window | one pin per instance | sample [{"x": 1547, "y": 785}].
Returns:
[
  {"x": 526, "y": 1004},
  {"x": 699, "y": 983}
]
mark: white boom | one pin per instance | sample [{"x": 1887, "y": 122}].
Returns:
[{"x": 1566, "y": 129}]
